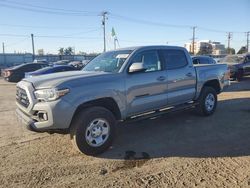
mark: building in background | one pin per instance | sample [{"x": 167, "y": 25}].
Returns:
[
  {"x": 206, "y": 47},
  {"x": 218, "y": 48}
]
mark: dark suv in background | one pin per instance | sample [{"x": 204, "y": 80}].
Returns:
[
  {"x": 239, "y": 65},
  {"x": 17, "y": 73}
]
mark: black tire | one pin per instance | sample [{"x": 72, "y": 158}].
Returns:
[
  {"x": 81, "y": 125},
  {"x": 201, "y": 108}
]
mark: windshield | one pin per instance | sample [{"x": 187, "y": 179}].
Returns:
[
  {"x": 108, "y": 62},
  {"x": 232, "y": 59}
]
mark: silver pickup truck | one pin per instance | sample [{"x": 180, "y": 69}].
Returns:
[{"x": 120, "y": 85}]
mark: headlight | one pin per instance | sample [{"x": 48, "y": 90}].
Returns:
[{"x": 50, "y": 94}]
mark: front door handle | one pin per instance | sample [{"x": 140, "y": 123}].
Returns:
[
  {"x": 189, "y": 74},
  {"x": 161, "y": 78}
]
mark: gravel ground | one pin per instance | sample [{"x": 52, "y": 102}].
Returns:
[{"x": 177, "y": 150}]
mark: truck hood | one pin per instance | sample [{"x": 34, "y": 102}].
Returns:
[{"x": 55, "y": 79}]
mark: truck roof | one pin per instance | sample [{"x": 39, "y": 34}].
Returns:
[{"x": 151, "y": 47}]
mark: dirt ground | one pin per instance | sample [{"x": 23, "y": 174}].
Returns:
[{"x": 177, "y": 150}]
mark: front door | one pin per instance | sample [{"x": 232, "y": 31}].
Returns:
[{"x": 146, "y": 91}]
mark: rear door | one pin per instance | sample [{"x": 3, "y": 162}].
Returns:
[
  {"x": 181, "y": 85},
  {"x": 146, "y": 91}
]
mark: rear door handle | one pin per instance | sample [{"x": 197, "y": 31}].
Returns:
[
  {"x": 189, "y": 74},
  {"x": 161, "y": 78}
]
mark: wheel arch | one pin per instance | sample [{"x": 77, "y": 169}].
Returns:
[
  {"x": 214, "y": 84},
  {"x": 107, "y": 102}
]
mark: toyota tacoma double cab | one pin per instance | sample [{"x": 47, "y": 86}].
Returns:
[{"x": 125, "y": 84}]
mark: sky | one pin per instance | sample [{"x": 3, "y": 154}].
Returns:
[{"x": 78, "y": 23}]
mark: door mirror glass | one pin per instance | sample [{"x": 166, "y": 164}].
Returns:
[{"x": 137, "y": 67}]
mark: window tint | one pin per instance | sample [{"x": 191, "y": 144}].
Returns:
[
  {"x": 204, "y": 60},
  {"x": 174, "y": 59},
  {"x": 43, "y": 65},
  {"x": 58, "y": 69},
  {"x": 30, "y": 68},
  {"x": 150, "y": 60},
  {"x": 196, "y": 61},
  {"x": 69, "y": 68},
  {"x": 247, "y": 59}
]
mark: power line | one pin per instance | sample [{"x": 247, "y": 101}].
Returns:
[
  {"x": 146, "y": 22},
  {"x": 45, "y": 11},
  {"x": 13, "y": 35},
  {"x": 219, "y": 31},
  {"x": 114, "y": 16},
  {"x": 49, "y": 36},
  {"x": 18, "y": 42},
  {"x": 49, "y": 8},
  {"x": 44, "y": 27}
]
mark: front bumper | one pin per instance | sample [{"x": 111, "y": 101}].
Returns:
[
  {"x": 25, "y": 120},
  {"x": 59, "y": 115}
]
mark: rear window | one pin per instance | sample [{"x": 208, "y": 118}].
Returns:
[{"x": 174, "y": 59}]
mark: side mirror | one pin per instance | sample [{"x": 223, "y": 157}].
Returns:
[{"x": 137, "y": 67}]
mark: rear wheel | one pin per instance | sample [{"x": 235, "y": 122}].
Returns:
[
  {"x": 92, "y": 130},
  {"x": 207, "y": 101}
]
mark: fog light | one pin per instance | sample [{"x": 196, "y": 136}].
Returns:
[{"x": 43, "y": 116}]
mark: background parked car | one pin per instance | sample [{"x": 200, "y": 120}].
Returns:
[
  {"x": 203, "y": 60},
  {"x": 49, "y": 70},
  {"x": 17, "y": 73},
  {"x": 79, "y": 64},
  {"x": 239, "y": 65},
  {"x": 62, "y": 62}
]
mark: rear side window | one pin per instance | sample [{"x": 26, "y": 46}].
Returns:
[
  {"x": 30, "y": 67},
  {"x": 174, "y": 59}
]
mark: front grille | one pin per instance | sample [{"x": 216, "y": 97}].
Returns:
[{"x": 21, "y": 97}]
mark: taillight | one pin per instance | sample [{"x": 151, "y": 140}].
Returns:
[{"x": 8, "y": 73}]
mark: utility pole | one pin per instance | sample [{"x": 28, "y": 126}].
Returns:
[
  {"x": 229, "y": 37},
  {"x": 33, "y": 47},
  {"x": 193, "y": 40},
  {"x": 248, "y": 41},
  {"x": 104, "y": 14},
  {"x": 4, "y": 58}
]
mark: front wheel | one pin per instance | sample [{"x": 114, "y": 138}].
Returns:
[
  {"x": 207, "y": 101},
  {"x": 92, "y": 130}
]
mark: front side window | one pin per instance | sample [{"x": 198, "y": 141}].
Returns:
[
  {"x": 108, "y": 62},
  {"x": 150, "y": 60},
  {"x": 174, "y": 59}
]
